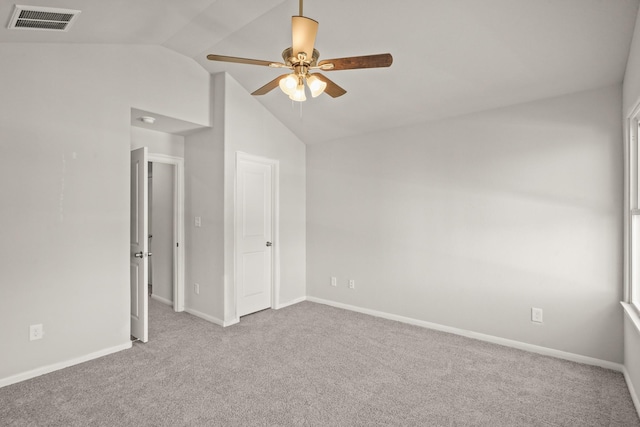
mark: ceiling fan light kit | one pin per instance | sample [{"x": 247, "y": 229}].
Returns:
[
  {"x": 296, "y": 58},
  {"x": 316, "y": 86}
]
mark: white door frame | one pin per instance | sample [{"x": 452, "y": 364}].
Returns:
[
  {"x": 275, "y": 218},
  {"x": 178, "y": 225}
]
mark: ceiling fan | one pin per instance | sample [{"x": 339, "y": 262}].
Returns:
[{"x": 302, "y": 57}]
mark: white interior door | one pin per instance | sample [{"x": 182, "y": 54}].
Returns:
[
  {"x": 139, "y": 241},
  {"x": 254, "y": 221}
]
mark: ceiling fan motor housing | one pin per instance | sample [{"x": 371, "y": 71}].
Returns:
[{"x": 292, "y": 60}]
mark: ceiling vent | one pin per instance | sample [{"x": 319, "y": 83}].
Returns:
[{"x": 42, "y": 18}]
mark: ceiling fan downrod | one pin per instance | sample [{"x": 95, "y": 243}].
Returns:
[{"x": 301, "y": 7}]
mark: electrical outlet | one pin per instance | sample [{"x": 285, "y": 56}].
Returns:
[
  {"x": 352, "y": 284},
  {"x": 196, "y": 288},
  {"x": 536, "y": 315},
  {"x": 35, "y": 332},
  {"x": 198, "y": 221},
  {"x": 334, "y": 282}
]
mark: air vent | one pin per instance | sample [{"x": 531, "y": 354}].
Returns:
[{"x": 42, "y": 18}]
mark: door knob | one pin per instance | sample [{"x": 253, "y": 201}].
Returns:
[
  {"x": 139, "y": 255},
  {"x": 269, "y": 244},
  {"x": 149, "y": 254}
]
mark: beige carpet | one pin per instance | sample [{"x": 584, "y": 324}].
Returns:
[{"x": 313, "y": 365}]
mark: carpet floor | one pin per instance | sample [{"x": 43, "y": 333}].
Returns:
[{"x": 314, "y": 365}]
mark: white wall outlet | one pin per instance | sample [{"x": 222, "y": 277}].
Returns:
[
  {"x": 334, "y": 282},
  {"x": 196, "y": 288},
  {"x": 35, "y": 332},
  {"x": 536, "y": 315},
  {"x": 197, "y": 221},
  {"x": 352, "y": 284}
]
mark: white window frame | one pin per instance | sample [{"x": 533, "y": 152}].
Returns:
[{"x": 632, "y": 211}]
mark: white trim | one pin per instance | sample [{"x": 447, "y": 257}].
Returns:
[
  {"x": 232, "y": 322},
  {"x": 632, "y": 390},
  {"x": 478, "y": 336},
  {"x": 275, "y": 228},
  {"x": 290, "y": 303},
  {"x": 626, "y": 226},
  {"x": 61, "y": 365},
  {"x": 162, "y": 300},
  {"x": 632, "y": 314},
  {"x": 204, "y": 316},
  {"x": 178, "y": 229},
  {"x": 630, "y": 155},
  {"x": 275, "y": 182}
]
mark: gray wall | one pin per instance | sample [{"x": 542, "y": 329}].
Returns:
[
  {"x": 631, "y": 96},
  {"x": 472, "y": 221},
  {"x": 157, "y": 142},
  {"x": 204, "y": 176},
  {"x": 64, "y": 168}
]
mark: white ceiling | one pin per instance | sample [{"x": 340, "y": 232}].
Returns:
[{"x": 451, "y": 57}]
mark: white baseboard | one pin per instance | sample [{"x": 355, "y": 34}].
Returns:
[
  {"x": 61, "y": 365},
  {"x": 162, "y": 300},
  {"x": 290, "y": 303},
  {"x": 478, "y": 336},
  {"x": 632, "y": 390},
  {"x": 204, "y": 316},
  {"x": 231, "y": 322},
  {"x": 237, "y": 320}
]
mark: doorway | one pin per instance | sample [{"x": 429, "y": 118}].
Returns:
[
  {"x": 167, "y": 271},
  {"x": 166, "y": 229},
  {"x": 161, "y": 276}
]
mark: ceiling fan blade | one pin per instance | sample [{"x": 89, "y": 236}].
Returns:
[
  {"x": 243, "y": 60},
  {"x": 332, "y": 89},
  {"x": 269, "y": 86},
  {"x": 354, "y": 62},
  {"x": 303, "y": 35}
]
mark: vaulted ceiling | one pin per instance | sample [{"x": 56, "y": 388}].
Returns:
[{"x": 451, "y": 57}]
